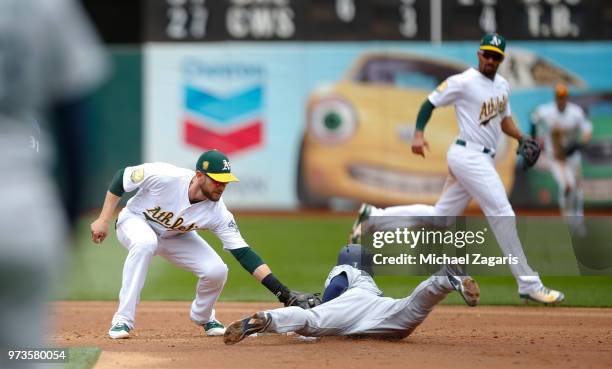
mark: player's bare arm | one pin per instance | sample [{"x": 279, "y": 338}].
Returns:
[
  {"x": 261, "y": 272},
  {"x": 510, "y": 128},
  {"x": 419, "y": 143},
  {"x": 99, "y": 227},
  {"x": 586, "y": 137}
]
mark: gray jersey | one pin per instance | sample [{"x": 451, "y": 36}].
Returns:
[
  {"x": 362, "y": 310},
  {"x": 48, "y": 54}
]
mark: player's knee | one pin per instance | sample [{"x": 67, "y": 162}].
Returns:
[
  {"x": 216, "y": 274},
  {"x": 503, "y": 210},
  {"x": 506, "y": 211},
  {"x": 144, "y": 248}
]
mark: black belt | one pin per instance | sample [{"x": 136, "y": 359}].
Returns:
[{"x": 485, "y": 150}]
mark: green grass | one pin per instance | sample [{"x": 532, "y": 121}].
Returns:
[
  {"x": 82, "y": 357},
  {"x": 300, "y": 251}
]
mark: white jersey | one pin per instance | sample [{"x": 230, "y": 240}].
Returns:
[
  {"x": 480, "y": 105},
  {"x": 163, "y": 201},
  {"x": 570, "y": 123}
]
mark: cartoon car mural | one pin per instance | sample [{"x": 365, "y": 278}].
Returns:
[
  {"x": 524, "y": 70},
  {"x": 358, "y": 131},
  {"x": 596, "y": 157}
]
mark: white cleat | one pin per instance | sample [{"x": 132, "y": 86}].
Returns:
[
  {"x": 119, "y": 331},
  {"x": 544, "y": 296},
  {"x": 214, "y": 328}
]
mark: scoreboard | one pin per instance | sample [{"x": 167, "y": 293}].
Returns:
[{"x": 356, "y": 20}]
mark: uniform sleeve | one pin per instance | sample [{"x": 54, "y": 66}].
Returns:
[
  {"x": 585, "y": 124},
  {"x": 336, "y": 287},
  {"x": 538, "y": 123},
  {"x": 508, "y": 110},
  {"x": 446, "y": 93},
  {"x": 536, "y": 116},
  {"x": 352, "y": 274},
  {"x": 228, "y": 232},
  {"x": 140, "y": 176}
]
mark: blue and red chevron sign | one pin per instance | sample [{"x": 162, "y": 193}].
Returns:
[{"x": 230, "y": 122}]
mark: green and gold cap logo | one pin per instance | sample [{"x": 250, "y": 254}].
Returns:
[
  {"x": 216, "y": 165},
  {"x": 493, "y": 42}
]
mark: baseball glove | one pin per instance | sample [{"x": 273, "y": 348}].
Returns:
[
  {"x": 305, "y": 300},
  {"x": 529, "y": 150}
]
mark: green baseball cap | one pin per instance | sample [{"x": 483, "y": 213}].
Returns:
[
  {"x": 216, "y": 165},
  {"x": 493, "y": 42}
]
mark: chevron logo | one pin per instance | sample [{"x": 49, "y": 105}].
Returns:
[{"x": 227, "y": 122}]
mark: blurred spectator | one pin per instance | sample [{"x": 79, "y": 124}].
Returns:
[{"x": 50, "y": 59}]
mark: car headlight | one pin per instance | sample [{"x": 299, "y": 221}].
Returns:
[{"x": 332, "y": 120}]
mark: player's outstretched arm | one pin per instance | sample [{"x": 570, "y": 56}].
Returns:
[
  {"x": 99, "y": 227},
  {"x": 253, "y": 264},
  {"x": 510, "y": 128},
  {"x": 419, "y": 144}
]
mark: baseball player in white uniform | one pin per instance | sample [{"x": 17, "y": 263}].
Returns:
[
  {"x": 482, "y": 107},
  {"x": 565, "y": 128},
  {"x": 162, "y": 219},
  {"x": 353, "y": 305}
]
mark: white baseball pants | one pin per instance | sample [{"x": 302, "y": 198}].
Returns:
[
  {"x": 188, "y": 251},
  {"x": 567, "y": 174}
]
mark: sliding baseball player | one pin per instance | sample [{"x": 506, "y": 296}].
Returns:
[{"x": 353, "y": 305}]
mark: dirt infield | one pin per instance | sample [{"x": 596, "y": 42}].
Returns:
[{"x": 452, "y": 336}]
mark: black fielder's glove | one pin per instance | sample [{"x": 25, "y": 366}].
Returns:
[
  {"x": 529, "y": 150},
  {"x": 305, "y": 300}
]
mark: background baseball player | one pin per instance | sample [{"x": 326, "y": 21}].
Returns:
[
  {"x": 482, "y": 107},
  {"x": 51, "y": 60},
  {"x": 353, "y": 305},
  {"x": 565, "y": 129},
  {"x": 162, "y": 219}
]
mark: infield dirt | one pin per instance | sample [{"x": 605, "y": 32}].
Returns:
[{"x": 451, "y": 337}]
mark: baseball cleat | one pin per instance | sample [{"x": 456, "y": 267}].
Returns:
[
  {"x": 119, "y": 331},
  {"x": 214, "y": 328},
  {"x": 364, "y": 214},
  {"x": 544, "y": 296},
  {"x": 467, "y": 288},
  {"x": 239, "y": 329}
]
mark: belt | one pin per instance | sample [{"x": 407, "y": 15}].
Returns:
[{"x": 475, "y": 147}]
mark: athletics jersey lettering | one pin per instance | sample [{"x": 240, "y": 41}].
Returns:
[
  {"x": 491, "y": 108},
  {"x": 480, "y": 104},
  {"x": 164, "y": 218}
]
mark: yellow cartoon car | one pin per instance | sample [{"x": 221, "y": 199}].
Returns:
[{"x": 357, "y": 140}]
